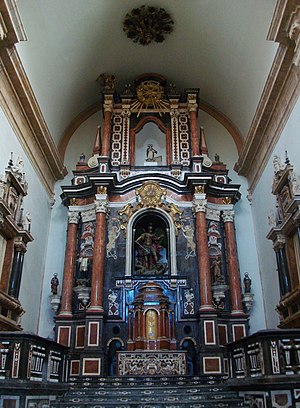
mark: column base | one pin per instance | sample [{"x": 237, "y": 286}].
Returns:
[
  {"x": 207, "y": 308},
  {"x": 64, "y": 315},
  {"x": 238, "y": 313},
  {"x": 95, "y": 309}
]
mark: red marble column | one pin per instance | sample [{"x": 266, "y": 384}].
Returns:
[
  {"x": 70, "y": 258},
  {"x": 232, "y": 262},
  {"x": 203, "y": 255},
  {"x": 8, "y": 257},
  {"x": 96, "y": 304},
  {"x": 194, "y": 133},
  {"x": 107, "y": 126}
]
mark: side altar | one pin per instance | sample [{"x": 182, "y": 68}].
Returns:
[{"x": 151, "y": 279}]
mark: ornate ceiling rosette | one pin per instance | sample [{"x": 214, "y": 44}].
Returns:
[{"x": 146, "y": 24}]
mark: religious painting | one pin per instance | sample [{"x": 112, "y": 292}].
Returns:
[{"x": 150, "y": 246}]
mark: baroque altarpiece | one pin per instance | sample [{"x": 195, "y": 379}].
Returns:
[{"x": 151, "y": 279}]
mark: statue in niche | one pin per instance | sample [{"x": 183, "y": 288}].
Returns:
[
  {"x": 150, "y": 247},
  {"x": 247, "y": 283},
  {"x": 54, "y": 284},
  {"x": 150, "y": 153},
  {"x": 217, "y": 272}
]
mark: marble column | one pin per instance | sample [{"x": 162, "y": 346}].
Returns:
[
  {"x": 107, "y": 107},
  {"x": 203, "y": 255},
  {"x": 232, "y": 264},
  {"x": 7, "y": 262},
  {"x": 96, "y": 304},
  {"x": 70, "y": 259},
  {"x": 17, "y": 269},
  {"x": 282, "y": 265}
]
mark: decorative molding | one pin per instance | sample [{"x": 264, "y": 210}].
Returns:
[
  {"x": 21, "y": 109},
  {"x": 20, "y": 105},
  {"x": 279, "y": 96}
]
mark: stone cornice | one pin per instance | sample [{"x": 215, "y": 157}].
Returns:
[
  {"x": 277, "y": 101},
  {"x": 21, "y": 108}
]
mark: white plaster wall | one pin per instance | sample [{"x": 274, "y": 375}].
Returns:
[
  {"x": 263, "y": 203},
  {"x": 81, "y": 142},
  {"x": 37, "y": 203},
  {"x": 220, "y": 141}
]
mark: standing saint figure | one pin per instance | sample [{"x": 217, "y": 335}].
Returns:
[
  {"x": 54, "y": 284},
  {"x": 150, "y": 153},
  {"x": 148, "y": 249}
]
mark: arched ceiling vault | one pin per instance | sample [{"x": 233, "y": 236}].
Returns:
[{"x": 217, "y": 46}]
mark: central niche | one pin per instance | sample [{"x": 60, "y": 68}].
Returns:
[
  {"x": 150, "y": 146},
  {"x": 150, "y": 245}
]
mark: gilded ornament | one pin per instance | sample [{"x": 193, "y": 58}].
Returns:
[
  {"x": 73, "y": 201},
  {"x": 150, "y": 94},
  {"x": 199, "y": 189},
  {"x": 101, "y": 190},
  {"x": 151, "y": 194},
  {"x": 146, "y": 24},
  {"x": 227, "y": 200}
]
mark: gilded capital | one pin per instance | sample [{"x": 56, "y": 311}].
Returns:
[
  {"x": 73, "y": 217},
  {"x": 228, "y": 216},
  {"x": 199, "y": 205}
]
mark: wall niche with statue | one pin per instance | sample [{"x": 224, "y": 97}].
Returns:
[{"x": 150, "y": 245}]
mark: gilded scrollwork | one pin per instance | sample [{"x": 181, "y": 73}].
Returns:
[{"x": 150, "y": 195}]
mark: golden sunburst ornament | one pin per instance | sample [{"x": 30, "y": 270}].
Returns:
[{"x": 150, "y": 94}]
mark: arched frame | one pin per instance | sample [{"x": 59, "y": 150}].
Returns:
[
  {"x": 130, "y": 238},
  {"x": 139, "y": 127}
]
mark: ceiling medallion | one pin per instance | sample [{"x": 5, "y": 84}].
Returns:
[{"x": 146, "y": 24}]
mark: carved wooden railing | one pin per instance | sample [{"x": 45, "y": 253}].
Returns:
[
  {"x": 266, "y": 355},
  {"x": 25, "y": 356}
]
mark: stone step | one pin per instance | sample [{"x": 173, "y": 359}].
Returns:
[
  {"x": 159, "y": 404},
  {"x": 149, "y": 392}
]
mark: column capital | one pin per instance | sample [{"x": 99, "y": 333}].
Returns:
[
  {"x": 199, "y": 205},
  {"x": 73, "y": 217},
  {"x": 279, "y": 242},
  {"x": 228, "y": 215},
  {"x": 101, "y": 205},
  {"x": 108, "y": 103}
]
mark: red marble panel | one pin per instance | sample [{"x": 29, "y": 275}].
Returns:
[
  {"x": 75, "y": 365},
  {"x": 80, "y": 331},
  {"x": 222, "y": 335},
  {"x": 238, "y": 331},
  {"x": 211, "y": 365},
  {"x": 64, "y": 336},
  {"x": 93, "y": 334},
  {"x": 9, "y": 403},
  {"x": 91, "y": 366},
  {"x": 209, "y": 332}
]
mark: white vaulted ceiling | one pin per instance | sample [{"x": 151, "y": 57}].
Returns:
[{"x": 219, "y": 46}]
